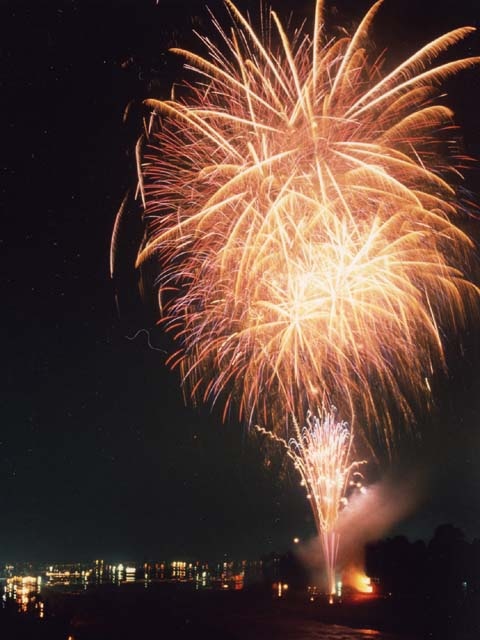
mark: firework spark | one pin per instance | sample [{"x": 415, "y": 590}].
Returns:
[
  {"x": 301, "y": 207},
  {"x": 321, "y": 453}
]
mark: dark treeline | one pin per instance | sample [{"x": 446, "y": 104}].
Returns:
[
  {"x": 446, "y": 567},
  {"x": 431, "y": 589},
  {"x": 437, "y": 583}
]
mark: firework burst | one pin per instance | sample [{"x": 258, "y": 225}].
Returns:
[
  {"x": 300, "y": 205},
  {"x": 321, "y": 453}
]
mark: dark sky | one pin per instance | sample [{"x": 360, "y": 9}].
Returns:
[{"x": 98, "y": 455}]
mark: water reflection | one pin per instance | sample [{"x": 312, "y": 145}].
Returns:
[
  {"x": 273, "y": 610},
  {"x": 316, "y": 631},
  {"x": 26, "y": 593}
]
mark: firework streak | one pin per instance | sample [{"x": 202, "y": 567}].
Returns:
[
  {"x": 321, "y": 453},
  {"x": 301, "y": 207}
]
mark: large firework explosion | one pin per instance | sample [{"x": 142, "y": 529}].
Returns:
[
  {"x": 299, "y": 204},
  {"x": 321, "y": 454}
]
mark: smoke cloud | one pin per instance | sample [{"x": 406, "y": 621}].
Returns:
[{"x": 368, "y": 517}]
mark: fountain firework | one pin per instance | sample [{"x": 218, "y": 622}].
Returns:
[
  {"x": 301, "y": 207},
  {"x": 321, "y": 453}
]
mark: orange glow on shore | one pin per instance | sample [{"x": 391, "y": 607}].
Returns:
[{"x": 358, "y": 580}]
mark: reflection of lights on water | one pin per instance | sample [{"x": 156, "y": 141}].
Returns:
[
  {"x": 23, "y": 590},
  {"x": 179, "y": 570},
  {"x": 339, "y": 588},
  {"x": 280, "y": 588}
]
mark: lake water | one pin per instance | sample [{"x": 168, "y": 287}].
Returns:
[
  {"x": 309, "y": 630},
  {"x": 122, "y": 612}
]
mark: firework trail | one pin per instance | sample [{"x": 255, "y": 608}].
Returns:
[
  {"x": 321, "y": 453},
  {"x": 301, "y": 207}
]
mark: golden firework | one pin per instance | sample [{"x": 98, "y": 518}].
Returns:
[{"x": 301, "y": 207}]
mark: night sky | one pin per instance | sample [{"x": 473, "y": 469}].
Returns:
[{"x": 99, "y": 457}]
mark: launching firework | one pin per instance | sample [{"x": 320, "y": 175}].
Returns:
[
  {"x": 321, "y": 452},
  {"x": 301, "y": 207}
]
